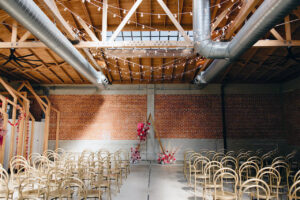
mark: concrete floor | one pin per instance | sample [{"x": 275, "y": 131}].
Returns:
[{"x": 155, "y": 182}]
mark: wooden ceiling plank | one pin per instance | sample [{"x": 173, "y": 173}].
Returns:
[
  {"x": 246, "y": 9},
  {"x": 118, "y": 67},
  {"x": 46, "y": 66},
  {"x": 60, "y": 66},
  {"x": 129, "y": 69},
  {"x": 181, "y": 8},
  {"x": 261, "y": 62},
  {"x": 184, "y": 71},
  {"x": 141, "y": 70},
  {"x": 88, "y": 16}
]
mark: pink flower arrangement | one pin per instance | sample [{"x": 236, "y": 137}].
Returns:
[
  {"x": 143, "y": 130},
  {"x": 135, "y": 155},
  {"x": 166, "y": 158}
]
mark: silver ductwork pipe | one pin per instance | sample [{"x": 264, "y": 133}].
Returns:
[
  {"x": 27, "y": 13},
  {"x": 269, "y": 13}
]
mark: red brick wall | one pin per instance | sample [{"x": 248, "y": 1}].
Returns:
[
  {"x": 291, "y": 108},
  {"x": 188, "y": 116},
  {"x": 95, "y": 117},
  {"x": 253, "y": 116}
]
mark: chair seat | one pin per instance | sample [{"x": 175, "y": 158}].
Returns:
[
  {"x": 93, "y": 194},
  {"x": 262, "y": 195},
  {"x": 211, "y": 185},
  {"x": 224, "y": 195},
  {"x": 201, "y": 176}
]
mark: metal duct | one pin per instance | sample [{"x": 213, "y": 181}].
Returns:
[
  {"x": 27, "y": 13},
  {"x": 269, "y": 13}
]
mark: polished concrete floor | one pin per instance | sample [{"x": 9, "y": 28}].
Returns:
[{"x": 150, "y": 181}]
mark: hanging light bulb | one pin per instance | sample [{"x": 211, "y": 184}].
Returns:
[
  {"x": 143, "y": 26},
  {"x": 219, "y": 5},
  {"x": 142, "y": 14},
  {"x": 99, "y": 8},
  {"x": 175, "y": 15},
  {"x": 124, "y": 11},
  {"x": 83, "y": 1},
  {"x": 128, "y": 22},
  {"x": 191, "y": 13},
  {"x": 227, "y": 17},
  {"x": 114, "y": 15},
  {"x": 65, "y": 9},
  {"x": 158, "y": 16},
  {"x": 239, "y": 7}
]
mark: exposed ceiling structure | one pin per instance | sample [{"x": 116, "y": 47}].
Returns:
[{"x": 146, "y": 41}]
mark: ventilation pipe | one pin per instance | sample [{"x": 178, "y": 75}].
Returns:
[
  {"x": 269, "y": 13},
  {"x": 27, "y": 13}
]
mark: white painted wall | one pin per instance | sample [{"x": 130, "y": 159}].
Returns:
[{"x": 37, "y": 141}]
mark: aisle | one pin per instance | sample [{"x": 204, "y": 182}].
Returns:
[{"x": 154, "y": 182}]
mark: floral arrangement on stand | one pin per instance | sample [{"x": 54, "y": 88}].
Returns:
[
  {"x": 3, "y": 132},
  {"x": 166, "y": 158},
  {"x": 142, "y": 132},
  {"x": 135, "y": 155}
]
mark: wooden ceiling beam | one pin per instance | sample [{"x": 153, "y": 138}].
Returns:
[
  {"x": 287, "y": 27},
  {"x": 18, "y": 65},
  {"x": 24, "y": 37},
  {"x": 246, "y": 9},
  {"x": 276, "y": 34},
  {"x": 222, "y": 16},
  {"x": 14, "y": 32},
  {"x": 215, "y": 9},
  {"x": 88, "y": 16}
]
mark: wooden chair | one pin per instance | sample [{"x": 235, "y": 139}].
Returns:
[
  {"x": 230, "y": 162},
  {"x": 209, "y": 170},
  {"x": 218, "y": 157},
  {"x": 272, "y": 177},
  {"x": 256, "y": 188},
  {"x": 220, "y": 179},
  {"x": 198, "y": 171},
  {"x": 32, "y": 188},
  {"x": 284, "y": 169},
  {"x": 297, "y": 176},
  {"x": 5, "y": 191},
  {"x": 247, "y": 170},
  {"x": 294, "y": 191}
]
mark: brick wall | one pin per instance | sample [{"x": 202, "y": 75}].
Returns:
[
  {"x": 291, "y": 110},
  {"x": 253, "y": 116},
  {"x": 188, "y": 116},
  {"x": 95, "y": 117}
]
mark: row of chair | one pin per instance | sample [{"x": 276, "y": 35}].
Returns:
[
  {"x": 60, "y": 174},
  {"x": 262, "y": 176}
]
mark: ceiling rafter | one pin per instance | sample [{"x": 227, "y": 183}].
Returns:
[{"x": 59, "y": 66}]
